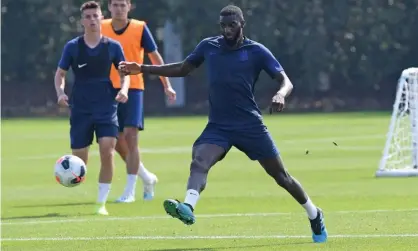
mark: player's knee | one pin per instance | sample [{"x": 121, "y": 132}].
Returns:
[
  {"x": 198, "y": 174},
  {"x": 121, "y": 141},
  {"x": 107, "y": 147},
  {"x": 107, "y": 153},
  {"x": 131, "y": 138},
  {"x": 82, "y": 154},
  {"x": 121, "y": 146},
  {"x": 199, "y": 165}
]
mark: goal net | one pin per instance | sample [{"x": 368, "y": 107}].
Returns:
[{"x": 400, "y": 155}]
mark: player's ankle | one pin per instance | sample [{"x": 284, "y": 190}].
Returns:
[
  {"x": 104, "y": 189},
  {"x": 311, "y": 209},
  {"x": 190, "y": 206},
  {"x": 145, "y": 175},
  {"x": 192, "y": 196},
  {"x": 130, "y": 183}
]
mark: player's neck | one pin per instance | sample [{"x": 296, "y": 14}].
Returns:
[
  {"x": 240, "y": 41},
  {"x": 92, "y": 38},
  {"x": 237, "y": 43},
  {"x": 119, "y": 24}
]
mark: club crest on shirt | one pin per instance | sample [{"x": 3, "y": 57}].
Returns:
[{"x": 243, "y": 55}]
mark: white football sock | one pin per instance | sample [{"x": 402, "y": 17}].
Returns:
[
  {"x": 130, "y": 184},
  {"x": 143, "y": 172},
  {"x": 104, "y": 190},
  {"x": 192, "y": 196},
  {"x": 311, "y": 209}
]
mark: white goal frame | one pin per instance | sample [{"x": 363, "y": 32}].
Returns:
[{"x": 407, "y": 91}]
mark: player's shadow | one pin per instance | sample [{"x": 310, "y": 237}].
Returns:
[
  {"x": 57, "y": 205},
  {"x": 33, "y": 217},
  {"x": 269, "y": 246}
]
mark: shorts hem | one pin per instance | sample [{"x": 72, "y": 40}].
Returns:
[
  {"x": 257, "y": 158},
  {"x": 77, "y": 147},
  {"x": 140, "y": 128},
  {"x": 212, "y": 143}
]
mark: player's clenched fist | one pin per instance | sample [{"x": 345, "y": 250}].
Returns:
[
  {"x": 122, "y": 96},
  {"x": 63, "y": 100},
  {"x": 129, "y": 68},
  {"x": 171, "y": 94},
  {"x": 277, "y": 103}
]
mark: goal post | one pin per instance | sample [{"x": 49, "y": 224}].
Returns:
[{"x": 400, "y": 154}]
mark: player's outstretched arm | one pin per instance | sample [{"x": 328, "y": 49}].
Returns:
[{"x": 180, "y": 69}]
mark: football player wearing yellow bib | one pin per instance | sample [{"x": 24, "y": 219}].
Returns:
[{"x": 136, "y": 40}]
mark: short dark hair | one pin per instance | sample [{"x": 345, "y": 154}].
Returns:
[
  {"x": 127, "y": 1},
  {"x": 232, "y": 10},
  {"x": 89, "y": 5}
]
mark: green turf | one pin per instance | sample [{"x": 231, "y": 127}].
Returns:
[{"x": 242, "y": 208}]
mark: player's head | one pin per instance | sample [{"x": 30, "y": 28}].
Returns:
[
  {"x": 119, "y": 9},
  {"x": 91, "y": 16},
  {"x": 232, "y": 22}
]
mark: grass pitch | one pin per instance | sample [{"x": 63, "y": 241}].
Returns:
[{"x": 241, "y": 209}]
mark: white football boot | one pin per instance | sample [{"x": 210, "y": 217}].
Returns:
[
  {"x": 126, "y": 198},
  {"x": 149, "y": 186}
]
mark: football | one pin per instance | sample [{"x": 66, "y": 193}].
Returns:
[{"x": 70, "y": 171}]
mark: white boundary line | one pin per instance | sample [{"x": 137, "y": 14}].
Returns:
[
  {"x": 188, "y": 149},
  {"x": 196, "y": 133},
  {"x": 210, "y": 216},
  {"x": 208, "y": 237}
]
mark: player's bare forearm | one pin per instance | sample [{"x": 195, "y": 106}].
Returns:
[
  {"x": 286, "y": 85},
  {"x": 59, "y": 81},
  {"x": 156, "y": 59},
  {"x": 180, "y": 69},
  {"x": 125, "y": 82}
]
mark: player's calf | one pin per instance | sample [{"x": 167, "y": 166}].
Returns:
[
  {"x": 106, "y": 148},
  {"x": 199, "y": 169},
  {"x": 82, "y": 153},
  {"x": 132, "y": 159},
  {"x": 128, "y": 148},
  {"x": 130, "y": 137},
  {"x": 122, "y": 147},
  {"x": 275, "y": 168},
  {"x": 204, "y": 157}
]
